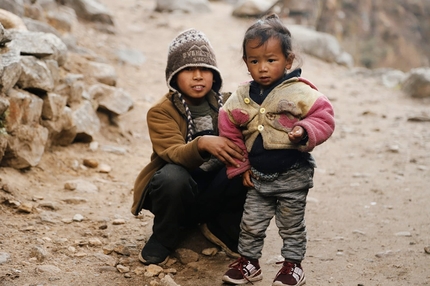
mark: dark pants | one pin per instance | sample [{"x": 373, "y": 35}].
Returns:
[{"x": 178, "y": 199}]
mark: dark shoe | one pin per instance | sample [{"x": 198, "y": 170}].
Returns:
[
  {"x": 243, "y": 271},
  {"x": 216, "y": 239},
  {"x": 154, "y": 252},
  {"x": 291, "y": 274}
]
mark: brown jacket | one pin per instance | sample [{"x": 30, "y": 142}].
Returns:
[{"x": 167, "y": 128}]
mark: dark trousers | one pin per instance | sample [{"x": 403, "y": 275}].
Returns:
[{"x": 179, "y": 198}]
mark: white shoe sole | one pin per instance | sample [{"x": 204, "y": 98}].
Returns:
[{"x": 227, "y": 279}]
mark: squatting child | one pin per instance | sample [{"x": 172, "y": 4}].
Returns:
[{"x": 185, "y": 183}]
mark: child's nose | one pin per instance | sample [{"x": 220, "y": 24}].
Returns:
[
  {"x": 262, "y": 67},
  {"x": 197, "y": 74}
]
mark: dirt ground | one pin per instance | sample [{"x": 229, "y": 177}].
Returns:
[{"x": 368, "y": 216}]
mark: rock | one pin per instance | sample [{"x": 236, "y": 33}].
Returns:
[
  {"x": 114, "y": 149},
  {"x": 107, "y": 249},
  {"x": 11, "y": 19},
  {"x": 403, "y": 233},
  {"x": 24, "y": 109},
  {"x": 25, "y": 147},
  {"x": 130, "y": 56},
  {"x": 62, "y": 131},
  {"x": 104, "y": 168},
  {"x": 81, "y": 254},
  {"x": 40, "y": 45},
  {"x": 153, "y": 270},
  {"x": 4, "y": 36},
  {"x": 48, "y": 269},
  {"x": 78, "y": 93},
  {"x": 390, "y": 77},
  {"x": 34, "y": 11},
  {"x": 95, "y": 242},
  {"x": 83, "y": 186},
  {"x": 26, "y": 208},
  {"x": 168, "y": 281},
  {"x": 39, "y": 253},
  {"x": 78, "y": 217},
  {"x": 321, "y": 45},
  {"x": 62, "y": 18},
  {"x": 90, "y": 10},
  {"x": 186, "y": 256},
  {"x": 122, "y": 268},
  {"x": 40, "y": 26},
  {"x": 86, "y": 121},
  {"x": 118, "y": 221},
  {"x": 91, "y": 163},
  {"x": 35, "y": 74},
  {"x": 123, "y": 250},
  {"x": 186, "y": 6},
  {"x": 53, "y": 106},
  {"x": 10, "y": 69},
  {"x": 107, "y": 269},
  {"x": 14, "y": 6},
  {"x": 385, "y": 253},
  {"x": 251, "y": 8},
  {"x": 113, "y": 100},
  {"x": 70, "y": 185},
  {"x": 417, "y": 83},
  {"x": 107, "y": 259},
  {"x": 138, "y": 270},
  {"x": 4, "y": 257},
  {"x": 210, "y": 251},
  {"x": 103, "y": 73},
  {"x": 75, "y": 200}
]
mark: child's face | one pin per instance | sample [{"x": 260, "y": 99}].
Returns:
[
  {"x": 266, "y": 63},
  {"x": 194, "y": 83}
]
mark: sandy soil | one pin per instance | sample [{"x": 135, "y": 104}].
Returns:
[{"x": 368, "y": 215}]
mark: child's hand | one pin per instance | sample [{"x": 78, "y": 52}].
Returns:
[
  {"x": 246, "y": 179},
  {"x": 296, "y": 135},
  {"x": 222, "y": 148}
]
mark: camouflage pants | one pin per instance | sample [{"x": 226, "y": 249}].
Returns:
[{"x": 284, "y": 198}]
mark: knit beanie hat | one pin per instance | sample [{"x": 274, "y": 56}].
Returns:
[{"x": 191, "y": 48}]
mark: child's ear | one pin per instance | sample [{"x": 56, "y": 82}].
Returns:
[{"x": 290, "y": 60}]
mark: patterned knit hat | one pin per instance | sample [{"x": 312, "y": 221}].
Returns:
[{"x": 191, "y": 48}]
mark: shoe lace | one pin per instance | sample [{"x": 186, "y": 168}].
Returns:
[
  {"x": 287, "y": 268},
  {"x": 240, "y": 264}
]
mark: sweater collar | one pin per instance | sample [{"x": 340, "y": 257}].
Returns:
[
  {"x": 211, "y": 97},
  {"x": 258, "y": 94}
]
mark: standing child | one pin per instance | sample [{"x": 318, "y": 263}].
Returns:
[
  {"x": 185, "y": 183},
  {"x": 277, "y": 119}
]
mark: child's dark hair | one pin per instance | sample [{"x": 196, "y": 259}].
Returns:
[{"x": 270, "y": 26}]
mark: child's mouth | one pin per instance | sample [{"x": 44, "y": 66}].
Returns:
[{"x": 198, "y": 87}]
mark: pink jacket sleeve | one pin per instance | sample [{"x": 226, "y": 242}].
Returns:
[
  {"x": 229, "y": 130},
  {"x": 319, "y": 123}
]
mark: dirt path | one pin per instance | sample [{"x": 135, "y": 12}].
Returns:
[{"x": 368, "y": 215}]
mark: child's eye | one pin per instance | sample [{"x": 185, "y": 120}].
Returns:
[
  {"x": 271, "y": 60},
  {"x": 253, "y": 62}
]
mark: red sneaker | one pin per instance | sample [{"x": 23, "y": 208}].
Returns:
[
  {"x": 243, "y": 271},
  {"x": 291, "y": 274}
]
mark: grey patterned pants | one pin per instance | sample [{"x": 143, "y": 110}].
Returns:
[{"x": 284, "y": 198}]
